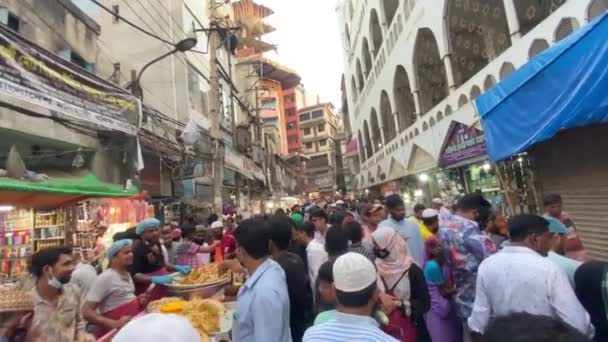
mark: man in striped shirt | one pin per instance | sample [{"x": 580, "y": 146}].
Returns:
[{"x": 357, "y": 295}]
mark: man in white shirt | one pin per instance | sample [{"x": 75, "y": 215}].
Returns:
[
  {"x": 315, "y": 251},
  {"x": 521, "y": 279}
]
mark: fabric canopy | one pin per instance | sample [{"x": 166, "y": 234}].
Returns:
[
  {"x": 566, "y": 86},
  {"x": 57, "y": 191}
]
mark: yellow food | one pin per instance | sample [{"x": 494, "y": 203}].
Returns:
[
  {"x": 173, "y": 307},
  {"x": 203, "y": 275},
  {"x": 204, "y": 314},
  {"x": 154, "y": 306}
]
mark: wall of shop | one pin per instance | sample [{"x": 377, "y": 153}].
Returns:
[{"x": 574, "y": 165}]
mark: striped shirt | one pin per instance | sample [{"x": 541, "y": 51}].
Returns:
[
  {"x": 346, "y": 327},
  {"x": 359, "y": 248}
]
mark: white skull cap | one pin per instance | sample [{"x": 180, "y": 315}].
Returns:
[
  {"x": 353, "y": 272},
  {"x": 158, "y": 328}
]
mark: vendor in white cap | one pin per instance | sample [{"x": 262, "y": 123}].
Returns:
[
  {"x": 430, "y": 223},
  {"x": 357, "y": 296},
  {"x": 111, "y": 302},
  {"x": 149, "y": 262},
  {"x": 158, "y": 328}
]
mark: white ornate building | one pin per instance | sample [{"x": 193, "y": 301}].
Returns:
[{"x": 412, "y": 68}]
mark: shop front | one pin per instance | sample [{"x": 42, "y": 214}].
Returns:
[{"x": 465, "y": 166}]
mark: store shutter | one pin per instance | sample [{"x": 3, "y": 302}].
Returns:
[{"x": 574, "y": 164}]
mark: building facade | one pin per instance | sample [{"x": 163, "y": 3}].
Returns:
[
  {"x": 412, "y": 72},
  {"x": 58, "y": 28},
  {"x": 319, "y": 127}
]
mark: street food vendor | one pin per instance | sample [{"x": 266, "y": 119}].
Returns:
[
  {"x": 111, "y": 301},
  {"x": 149, "y": 263}
]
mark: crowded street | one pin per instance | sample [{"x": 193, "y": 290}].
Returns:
[{"x": 303, "y": 171}]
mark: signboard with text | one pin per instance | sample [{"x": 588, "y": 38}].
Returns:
[
  {"x": 462, "y": 142},
  {"x": 30, "y": 74}
]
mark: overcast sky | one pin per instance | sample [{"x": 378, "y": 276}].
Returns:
[
  {"x": 308, "y": 39},
  {"x": 308, "y": 42}
]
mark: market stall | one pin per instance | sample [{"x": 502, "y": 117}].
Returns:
[{"x": 555, "y": 108}]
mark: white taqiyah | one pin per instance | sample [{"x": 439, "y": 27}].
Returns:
[
  {"x": 353, "y": 272},
  {"x": 157, "y": 327}
]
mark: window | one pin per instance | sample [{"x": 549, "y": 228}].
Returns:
[
  {"x": 290, "y": 112},
  {"x": 309, "y": 145},
  {"x": 116, "y": 10},
  {"x": 321, "y": 128},
  {"x": 323, "y": 142},
  {"x": 304, "y": 116},
  {"x": 292, "y": 139},
  {"x": 317, "y": 114},
  {"x": 291, "y": 125},
  {"x": 307, "y": 131},
  {"x": 289, "y": 99},
  {"x": 269, "y": 103},
  {"x": 9, "y": 19}
]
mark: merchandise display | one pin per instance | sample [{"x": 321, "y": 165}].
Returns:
[
  {"x": 15, "y": 242},
  {"x": 49, "y": 228}
]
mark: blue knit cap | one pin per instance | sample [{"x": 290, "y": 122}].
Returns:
[
  {"x": 146, "y": 224},
  {"x": 117, "y": 246}
]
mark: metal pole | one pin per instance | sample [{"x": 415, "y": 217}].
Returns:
[{"x": 214, "y": 112}]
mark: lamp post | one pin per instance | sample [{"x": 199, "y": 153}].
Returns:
[{"x": 181, "y": 46}]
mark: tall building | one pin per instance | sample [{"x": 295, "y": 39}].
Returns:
[
  {"x": 319, "y": 126},
  {"x": 412, "y": 72}
]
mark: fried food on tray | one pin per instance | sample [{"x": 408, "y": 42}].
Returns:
[
  {"x": 173, "y": 307},
  {"x": 155, "y": 306},
  {"x": 202, "y": 275},
  {"x": 205, "y": 315}
]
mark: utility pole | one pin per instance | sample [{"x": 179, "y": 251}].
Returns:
[{"x": 215, "y": 112}]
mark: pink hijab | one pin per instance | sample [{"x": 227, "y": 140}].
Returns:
[{"x": 399, "y": 259}]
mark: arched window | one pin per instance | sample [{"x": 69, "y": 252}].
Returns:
[
  {"x": 369, "y": 148},
  {"x": 448, "y": 110},
  {"x": 475, "y": 91},
  {"x": 360, "y": 75},
  {"x": 478, "y": 33},
  {"x": 404, "y": 99},
  {"x": 538, "y": 46},
  {"x": 411, "y": 135},
  {"x": 361, "y": 147},
  {"x": 432, "y": 122},
  {"x": 425, "y": 126},
  {"x": 390, "y": 9},
  {"x": 565, "y": 28},
  {"x": 347, "y": 35},
  {"x": 597, "y": 8},
  {"x": 430, "y": 70},
  {"x": 375, "y": 32},
  {"x": 367, "y": 57},
  {"x": 416, "y": 132},
  {"x": 531, "y": 12},
  {"x": 439, "y": 116},
  {"x": 388, "y": 122},
  {"x": 506, "y": 70},
  {"x": 489, "y": 82},
  {"x": 353, "y": 89},
  {"x": 462, "y": 100},
  {"x": 376, "y": 134}
]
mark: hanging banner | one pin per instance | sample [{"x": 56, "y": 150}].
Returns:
[
  {"x": 30, "y": 74},
  {"x": 462, "y": 142}
]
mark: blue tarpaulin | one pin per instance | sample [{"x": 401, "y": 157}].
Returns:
[{"x": 566, "y": 86}]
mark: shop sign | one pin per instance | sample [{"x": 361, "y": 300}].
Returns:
[
  {"x": 38, "y": 77},
  {"x": 462, "y": 142}
]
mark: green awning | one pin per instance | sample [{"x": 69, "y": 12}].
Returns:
[{"x": 57, "y": 191}]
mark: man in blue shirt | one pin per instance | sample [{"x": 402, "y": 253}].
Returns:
[
  {"x": 357, "y": 296},
  {"x": 263, "y": 301},
  {"x": 408, "y": 230}
]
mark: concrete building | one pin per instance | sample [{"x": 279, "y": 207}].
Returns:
[
  {"x": 319, "y": 126},
  {"x": 61, "y": 28},
  {"x": 412, "y": 71},
  {"x": 177, "y": 86}
]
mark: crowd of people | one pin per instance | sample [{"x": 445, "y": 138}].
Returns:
[{"x": 344, "y": 271}]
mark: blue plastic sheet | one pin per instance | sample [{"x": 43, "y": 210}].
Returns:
[{"x": 566, "y": 86}]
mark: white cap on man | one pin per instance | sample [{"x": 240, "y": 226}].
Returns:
[
  {"x": 217, "y": 224},
  {"x": 430, "y": 213},
  {"x": 340, "y": 202},
  {"x": 353, "y": 272},
  {"x": 158, "y": 327}
]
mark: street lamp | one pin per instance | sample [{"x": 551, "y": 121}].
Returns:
[{"x": 181, "y": 46}]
